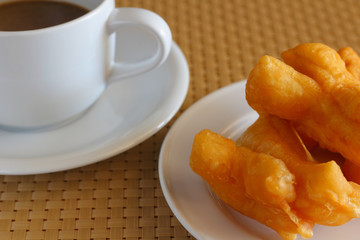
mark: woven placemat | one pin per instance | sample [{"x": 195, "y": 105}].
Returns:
[{"x": 121, "y": 198}]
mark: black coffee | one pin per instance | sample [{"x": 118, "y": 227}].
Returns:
[{"x": 30, "y": 15}]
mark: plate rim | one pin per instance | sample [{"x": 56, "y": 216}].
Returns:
[{"x": 167, "y": 140}]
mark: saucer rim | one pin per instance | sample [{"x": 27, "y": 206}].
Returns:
[{"x": 107, "y": 148}]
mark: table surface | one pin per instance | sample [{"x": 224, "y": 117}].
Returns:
[{"x": 121, "y": 198}]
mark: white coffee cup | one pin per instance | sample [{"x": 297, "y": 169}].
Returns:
[{"x": 50, "y": 76}]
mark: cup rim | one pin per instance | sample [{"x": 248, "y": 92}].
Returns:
[{"x": 59, "y": 26}]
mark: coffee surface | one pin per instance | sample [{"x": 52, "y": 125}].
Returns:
[{"x": 30, "y": 15}]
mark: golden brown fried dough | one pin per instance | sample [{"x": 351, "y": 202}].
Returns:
[
  {"x": 313, "y": 98},
  {"x": 274, "y": 87},
  {"x": 312, "y": 106},
  {"x": 324, "y": 65},
  {"x": 255, "y": 184},
  {"x": 323, "y": 195}
]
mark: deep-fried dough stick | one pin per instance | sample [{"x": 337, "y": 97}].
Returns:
[
  {"x": 323, "y": 195},
  {"x": 325, "y": 66},
  {"x": 352, "y": 63},
  {"x": 276, "y": 88},
  {"x": 273, "y": 87},
  {"x": 255, "y": 184}
]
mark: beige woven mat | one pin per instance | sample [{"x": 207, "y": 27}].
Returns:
[{"x": 120, "y": 198}]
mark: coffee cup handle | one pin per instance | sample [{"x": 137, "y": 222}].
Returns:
[{"x": 155, "y": 26}]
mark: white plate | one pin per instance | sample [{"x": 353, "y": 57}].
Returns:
[
  {"x": 193, "y": 203},
  {"x": 127, "y": 113}
]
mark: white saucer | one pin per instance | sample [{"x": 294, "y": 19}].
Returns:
[
  {"x": 127, "y": 113},
  {"x": 193, "y": 203}
]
